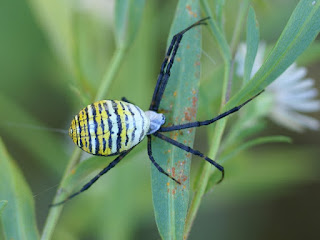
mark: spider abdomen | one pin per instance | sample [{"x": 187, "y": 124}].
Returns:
[{"x": 109, "y": 127}]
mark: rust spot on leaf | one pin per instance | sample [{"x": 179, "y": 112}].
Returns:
[
  {"x": 187, "y": 116},
  {"x": 194, "y": 101},
  {"x": 173, "y": 172},
  {"x": 183, "y": 178},
  {"x": 197, "y": 63},
  {"x": 175, "y": 93},
  {"x": 188, "y": 7},
  {"x": 190, "y": 113}
]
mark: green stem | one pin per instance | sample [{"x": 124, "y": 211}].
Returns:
[
  {"x": 110, "y": 73},
  {"x": 217, "y": 33},
  {"x": 207, "y": 169},
  {"x": 84, "y": 85},
  {"x": 244, "y": 6},
  {"x": 55, "y": 212}
]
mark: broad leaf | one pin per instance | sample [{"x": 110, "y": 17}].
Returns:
[
  {"x": 3, "y": 204},
  {"x": 18, "y": 217},
  {"x": 179, "y": 104},
  {"x": 20, "y": 125}
]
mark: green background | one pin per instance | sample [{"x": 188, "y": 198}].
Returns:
[{"x": 273, "y": 191}]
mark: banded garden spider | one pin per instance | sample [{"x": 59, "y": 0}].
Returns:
[{"x": 111, "y": 127}]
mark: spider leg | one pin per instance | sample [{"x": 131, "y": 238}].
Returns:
[
  {"x": 167, "y": 63},
  {"x": 125, "y": 100},
  {"x": 93, "y": 180},
  {"x": 160, "y": 169},
  {"x": 206, "y": 122},
  {"x": 192, "y": 151}
]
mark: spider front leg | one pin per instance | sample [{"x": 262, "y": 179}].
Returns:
[
  {"x": 167, "y": 64},
  {"x": 206, "y": 122}
]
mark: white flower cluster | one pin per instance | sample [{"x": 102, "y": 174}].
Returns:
[
  {"x": 292, "y": 94},
  {"x": 103, "y": 9}
]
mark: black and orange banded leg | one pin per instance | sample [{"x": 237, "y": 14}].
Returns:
[
  {"x": 93, "y": 180},
  {"x": 167, "y": 64},
  {"x": 192, "y": 151},
  {"x": 160, "y": 169}
]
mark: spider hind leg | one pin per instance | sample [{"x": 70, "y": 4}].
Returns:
[
  {"x": 160, "y": 169},
  {"x": 93, "y": 180},
  {"x": 192, "y": 151}
]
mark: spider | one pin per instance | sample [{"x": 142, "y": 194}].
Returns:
[{"x": 112, "y": 127}]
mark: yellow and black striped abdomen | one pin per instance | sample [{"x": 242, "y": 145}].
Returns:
[{"x": 108, "y": 127}]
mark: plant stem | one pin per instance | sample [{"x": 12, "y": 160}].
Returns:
[
  {"x": 207, "y": 169},
  {"x": 227, "y": 53},
  {"x": 244, "y": 6},
  {"x": 110, "y": 73},
  {"x": 217, "y": 33},
  {"x": 54, "y": 212}
]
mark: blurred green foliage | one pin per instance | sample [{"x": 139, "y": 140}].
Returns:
[{"x": 275, "y": 188}]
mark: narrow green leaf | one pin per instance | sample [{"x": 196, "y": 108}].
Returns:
[
  {"x": 263, "y": 175},
  {"x": 219, "y": 7},
  {"x": 258, "y": 141},
  {"x": 18, "y": 217},
  {"x": 44, "y": 145},
  {"x": 240, "y": 21},
  {"x": 179, "y": 104},
  {"x": 254, "y": 142},
  {"x": 3, "y": 204},
  {"x": 301, "y": 29},
  {"x": 58, "y": 29},
  {"x": 92, "y": 46},
  {"x": 127, "y": 20},
  {"x": 252, "y": 44},
  {"x": 57, "y": 21},
  {"x": 217, "y": 33}
]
